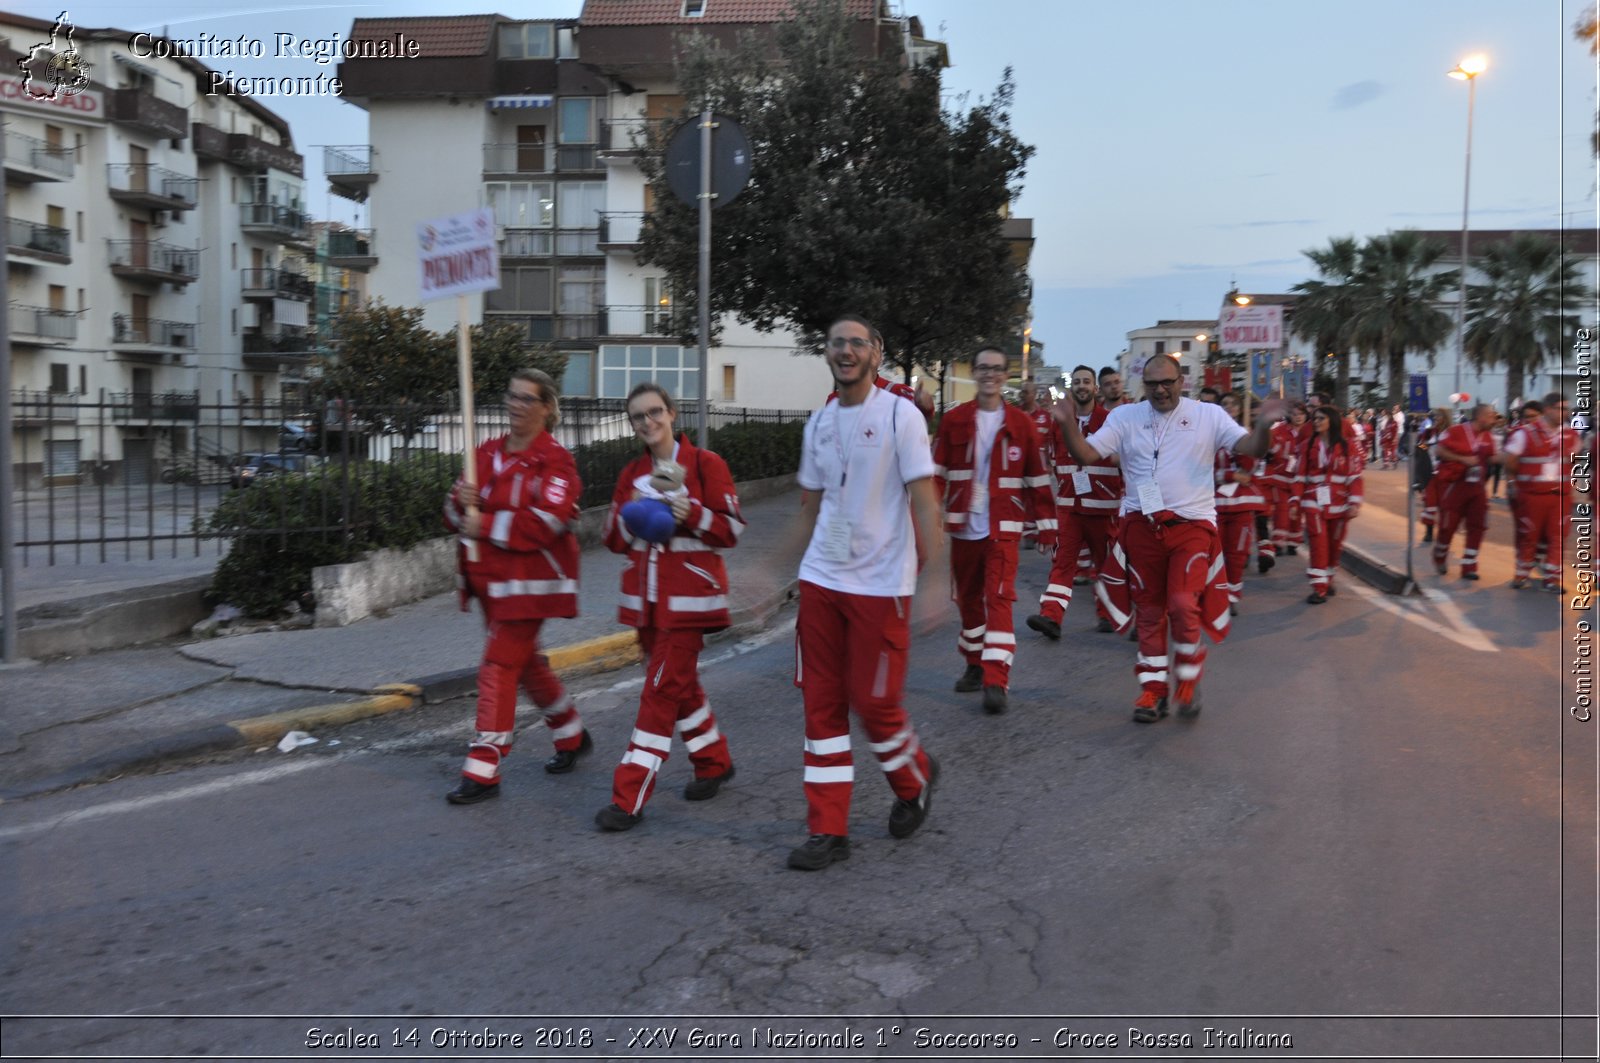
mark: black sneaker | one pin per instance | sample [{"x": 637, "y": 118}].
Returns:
[
  {"x": 705, "y": 789},
  {"x": 907, "y": 815},
  {"x": 1050, "y": 629},
  {"x": 1427, "y": 536},
  {"x": 994, "y": 700},
  {"x": 564, "y": 760},
  {"x": 1104, "y": 625},
  {"x": 1315, "y": 599},
  {"x": 471, "y": 791},
  {"x": 971, "y": 679},
  {"x": 1332, "y": 590},
  {"x": 612, "y": 817},
  {"x": 819, "y": 851},
  {"x": 1264, "y": 563},
  {"x": 1293, "y": 550},
  {"x": 1469, "y": 575}
]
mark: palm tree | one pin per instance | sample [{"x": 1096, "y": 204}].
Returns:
[
  {"x": 1398, "y": 302},
  {"x": 1326, "y": 309},
  {"x": 1527, "y": 308}
]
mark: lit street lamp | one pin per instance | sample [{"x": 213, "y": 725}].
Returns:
[{"x": 1467, "y": 70}]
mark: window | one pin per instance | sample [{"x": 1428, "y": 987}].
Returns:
[
  {"x": 60, "y": 378},
  {"x": 694, "y": 8},
  {"x": 579, "y": 376},
  {"x": 521, "y": 205},
  {"x": 657, "y": 306},
  {"x": 729, "y": 378},
  {"x": 1185, "y": 347},
  {"x": 522, "y": 288},
  {"x": 623, "y": 368},
  {"x": 566, "y": 43},
  {"x": 579, "y": 203},
  {"x": 58, "y": 296},
  {"x": 576, "y": 118},
  {"x": 80, "y": 226},
  {"x": 526, "y": 40},
  {"x": 1161, "y": 346},
  {"x": 83, "y": 380}
]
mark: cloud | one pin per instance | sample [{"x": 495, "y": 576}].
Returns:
[{"x": 1356, "y": 93}]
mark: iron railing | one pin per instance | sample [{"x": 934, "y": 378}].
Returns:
[
  {"x": 54, "y": 159},
  {"x": 43, "y": 322},
  {"x": 25, "y": 235}
]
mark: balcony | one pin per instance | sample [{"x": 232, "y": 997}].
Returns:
[
  {"x": 350, "y": 170},
  {"x": 270, "y": 349},
  {"x": 145, "y": 336},
  {"x": 273, "y": 219},
  {"x": 153, "y": 260},
  {"x": 333, "y": 300},
  {"x": 154, "y": 406},
  {"x": 570, "y": 242},
  {"x": 645, "y": 320},
  {"x": 245, "y": 151},
  {"x": 40, "y": 326},
  {"x": 143, "y": 111},
  {"x": 36, "y": 240},
  {"x": 37, "y": 408},
  {"x": 527, "y": 243},
  {"x": 538, "y": 327},
  {"x": 625, "y": 138},
  {"x": 148, "y": 185},
  {"x": 572, "y": 158},
  {"x": 275, "y": 284},
  {"x": 512, "y": 159},
  {"x": 620, "y": 230},
  {"x": 351, "y": 249},
  {"x": 29, "y": 159}
]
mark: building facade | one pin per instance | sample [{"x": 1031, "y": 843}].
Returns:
[{"x": 154, "y": 242}]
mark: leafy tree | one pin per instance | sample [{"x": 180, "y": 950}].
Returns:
[
  {"x": 399, "y": 374},
  {"x": 1587, "y": 30},
  {"x": 1326, "y": 309},
  {"x": 866, "y": 195},
  {"x": 1397, "y": 310},
  {"x": 1526, "y": 310}
]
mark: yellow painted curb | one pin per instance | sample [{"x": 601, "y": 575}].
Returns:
[
  {"x": 597, "y": 655},
  {"x": 273, "y": 727}
]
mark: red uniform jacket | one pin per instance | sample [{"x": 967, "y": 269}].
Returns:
[
  {"x": 1544, "y": 466},
  {"x": 1337, "y": 468},
  {"x": 682, "y": 584},
  {"x": 1019, "y": 486},
  {"x": 1283, "y": 454},
  {"x": 1044, "y": 429},
  {"x": 527, "y": 564},
  {"x": 1233, "y": 496},
  {"x": 1464, "y": 439},
  {"x": 1104, "y": 496}
]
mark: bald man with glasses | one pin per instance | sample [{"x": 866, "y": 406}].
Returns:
[{"x": 1169, "y": 544}]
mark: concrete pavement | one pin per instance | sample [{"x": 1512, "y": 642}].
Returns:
[{"x": 83, "y": 719}]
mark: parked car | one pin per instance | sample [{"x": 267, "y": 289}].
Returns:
[
  {"x": 256, "y": 466},
  {"x": 294, "y": 437}
]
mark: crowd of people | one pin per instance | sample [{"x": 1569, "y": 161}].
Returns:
[{"x": 1160, "y": 505}]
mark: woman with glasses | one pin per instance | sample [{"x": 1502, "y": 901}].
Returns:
[
  {"x": 520, "y": 560},
  {"x": 1330, "y": 497},
  {"x": 674, "y": 590}
]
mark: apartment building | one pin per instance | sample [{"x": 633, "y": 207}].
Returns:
[
  {"x": 540, "y": 121},
  {"x": 155, "y": 242}
]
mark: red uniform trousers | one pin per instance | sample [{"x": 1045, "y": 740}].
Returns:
[
  {"x": 1075, "y": 533},
  {"x": 1238, "y": 532},
  {"x": 984, "y": 577},
  {"x": 1325, "y": 541},
  {"x": 1461, "y": 502},
  {"x": 511, "y": 657},
  {"x": 1541, "y": 523},
  {"x": 1430, "y": 503},
  {"x": 1285, "y": 515},
  {"x": 672, "y": 700},
  {"x": 850, "y": 653},
  {"x": 1168, "y": 568}
]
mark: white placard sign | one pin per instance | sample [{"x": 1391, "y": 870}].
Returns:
[
  {"x": 457, "y": 255},
  {"x": 1250, "y": 328}
]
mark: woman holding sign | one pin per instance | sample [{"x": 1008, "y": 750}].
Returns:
[
  {"x": 520, "y": 560},
  {"x": 674, "y": 508}
]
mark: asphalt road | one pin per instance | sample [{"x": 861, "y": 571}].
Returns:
[{"x": 1383, "y": 813}]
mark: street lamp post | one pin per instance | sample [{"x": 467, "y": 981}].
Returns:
[{"x": 1467, "y": 70}]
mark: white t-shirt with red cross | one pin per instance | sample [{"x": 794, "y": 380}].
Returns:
[{"x": 1172, "y": 453}]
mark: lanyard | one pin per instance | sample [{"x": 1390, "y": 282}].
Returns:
[
  {"x": 1155, "y": 454},
  {"x": 838, "y": 441}
]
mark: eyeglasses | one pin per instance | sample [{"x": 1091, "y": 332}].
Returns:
[
  {"x": 1161, "y": 383},
  {"x": 988, "y": 370},
  {"x": 655, "y": 413},
  {"x": 519, "y": 398},
  {"x": 855, "y": 343}
]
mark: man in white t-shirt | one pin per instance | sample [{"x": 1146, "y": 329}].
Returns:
[
  {"x": 864, "y": 456},
  {"x": 1167, "y": 445}
]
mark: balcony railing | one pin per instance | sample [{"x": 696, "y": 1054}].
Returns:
[
  {"x": 32, "y": 407},
  {"x": 577, "y": 241},
  {"x": 32, "y": 237},
  {"x": 627, "y": 136},
  {"x": 527, "y": 243},
  {"x": 570, "y": 157},
  {"x": 31, "y": 158},
  {"x": 537, "y": 327},
  {"x": 516, "y": 158},
  {"x": 154, "y": 260},
  {"x": 151, "y": 331},
  {"x": 273, "y": 218},
  {"x": 139, "y": 109},
  {"x": 646, "y": 320},
  {"x": 43, "y": 323},
  {"x": 154, "y": 406},
  {"x": 332, "y": 300},
  {"x": 620, "y": 230},
  {"x": 349, "y": 169},
  {"x": 276, "y": 283},
  {"x": 350, "y": 248},
  {"x": 148, "y": 185},
  {"x": 298, "y": 344}
]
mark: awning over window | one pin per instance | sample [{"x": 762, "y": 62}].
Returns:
[{"x": 504, "y": 103}]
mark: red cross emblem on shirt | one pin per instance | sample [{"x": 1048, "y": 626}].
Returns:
[{"x": 869, "y": 433}]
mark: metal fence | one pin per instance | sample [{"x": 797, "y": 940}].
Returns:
[{"x": 135, "y": 475}]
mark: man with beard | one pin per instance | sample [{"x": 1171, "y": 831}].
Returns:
[
  {"x": 1167, "y": 446},
  {"x": 1087, "y": 500},
  {"x": 1111, "y": 393}
]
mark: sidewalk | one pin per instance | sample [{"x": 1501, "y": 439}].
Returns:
[{"x": 84, "y": 718}]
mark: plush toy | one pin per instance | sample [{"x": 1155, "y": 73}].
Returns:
[{"x": 649, "y": 515}]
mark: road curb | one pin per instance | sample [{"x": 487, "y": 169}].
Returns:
[{"x": 1370, "y": 570}]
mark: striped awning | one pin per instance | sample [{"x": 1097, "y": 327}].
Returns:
[{"x": 502, "y": 103}]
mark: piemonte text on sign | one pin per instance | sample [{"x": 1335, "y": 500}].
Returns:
[{"x": 457, "y": 255}]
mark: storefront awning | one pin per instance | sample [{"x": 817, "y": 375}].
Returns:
[{"x": 505, "y": 103}]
